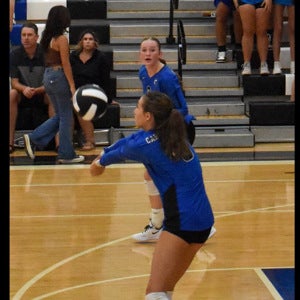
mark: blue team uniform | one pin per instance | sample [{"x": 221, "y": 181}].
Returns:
[
  {"x": 284, "y": 2},
  {"x": 229, "y": 3},
  {"x": 166, "y": 81},
  {"x": 185, "y": 202}
]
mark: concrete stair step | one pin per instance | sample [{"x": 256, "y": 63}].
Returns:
[
  {"x": 274, "y": 133},
  {"x": 198, "y": 58},
  {"x": 197, "y": 108},
  {"x": 159, "y": 9},
  {"x": 132, "y": 32},
  {"x": 189, "y": 80},
  {"x": 158, "y": 5},
  {"x": 196, "y": 92},
  {"x": 158, "y": 14},
  {"x": 209, "y": 137},
  {"x": 200, "y": 121},
  {"x": 190, "y": 65},
  {"x": 224, "y": 137}
]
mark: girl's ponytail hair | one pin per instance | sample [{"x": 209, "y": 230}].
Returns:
[{"x": 169, "y": 125}]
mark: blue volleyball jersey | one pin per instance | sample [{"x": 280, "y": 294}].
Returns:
[
  {"x": 180, "y": 183},
  {"x": 167, "y": 82},
  {"x": 284, "y": 2}
]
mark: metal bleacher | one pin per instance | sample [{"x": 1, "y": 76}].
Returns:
[{"x": 215, "y": 92}]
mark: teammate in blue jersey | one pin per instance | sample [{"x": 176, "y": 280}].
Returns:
[
  {"x": 156, "y": 75},
  {"x": 279, "y": 7},
  {"x": 162, "y": 146}
]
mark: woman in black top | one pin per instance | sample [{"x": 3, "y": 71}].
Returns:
[{"x": 90, "y": 65}]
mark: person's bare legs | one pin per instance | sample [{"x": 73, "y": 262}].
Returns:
[
  {"x": 277, "y": 30},
  {"x": 262, "y": 23},
  {"x": 153, "y": 230},
  {"x": 155, "y": 200},
  {"x": 292, "y": 98},
  {"x": 237, "y": 27},
  {"x": 248, "y": 18},
  {"x": 171, "y": 258},
  {"x": 291, "y": 25},
  {"x": 222, "y": 14},
  {"x": 88, "y": 132},
  {"x": 14, "y": 100}
]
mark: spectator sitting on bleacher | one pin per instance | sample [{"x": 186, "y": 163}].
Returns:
[
  {"x": 26, "y": 72},
  {"x": 278, "y": 12},
  {"x": 90, "y": 65}
]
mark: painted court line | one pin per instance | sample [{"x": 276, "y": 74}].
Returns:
[
  {"x": 268, "y": 284},
  {"x": 138, "y": 165},
  {"x": 31, "y": 282}
]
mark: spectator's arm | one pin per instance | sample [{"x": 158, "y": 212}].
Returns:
[
  {"x": 11, "y": 14},
  {"x": 15, "y": 84}
]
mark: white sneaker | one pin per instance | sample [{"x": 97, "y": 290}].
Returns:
[
  {"x": 264, "y": 70},
  {"x": 76, "y": 159},
  {"x": 150, "y": 234},
  {"x": 212, "y": 232},
  {"x": 277, "y": 68},
  {"x": 29, "y": 147},
  {"x": 221, "y": 57},
  {"x": 292, "y": 68},
  {"x": 246, "y": 69}
]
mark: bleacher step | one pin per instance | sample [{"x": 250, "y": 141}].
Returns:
[
  {"x": 205, "y": 137},
  {"x": 273, "y": 133},
  {"x": 198, "y": 108},
  {"x": 224, "y": 137}
]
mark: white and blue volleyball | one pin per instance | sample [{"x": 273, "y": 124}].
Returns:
[{"x": 90, "y": 102}]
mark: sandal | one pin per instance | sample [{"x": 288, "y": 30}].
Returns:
[
  {"x": 88, "y": 147},
  {"x": 11, "y": 149}
]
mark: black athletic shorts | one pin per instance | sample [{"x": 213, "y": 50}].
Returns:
[{"x": 191, "y": 236}]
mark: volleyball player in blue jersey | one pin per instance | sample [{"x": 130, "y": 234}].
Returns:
[
  {"x": 162, "y": 146},
  {"x": 156, "y": 75}
]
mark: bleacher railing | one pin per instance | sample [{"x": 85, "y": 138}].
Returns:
[
  {"x": 181, "y": 47},
  {"x": 173, "y": 5}
]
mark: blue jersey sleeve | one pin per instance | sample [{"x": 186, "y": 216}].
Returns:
[{"x": 132, "y": 147}]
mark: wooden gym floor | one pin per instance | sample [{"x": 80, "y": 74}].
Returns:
[{"x": 70, "y": 233}]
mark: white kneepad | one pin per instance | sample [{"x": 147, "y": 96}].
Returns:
[{"x": 151, "y": 188}]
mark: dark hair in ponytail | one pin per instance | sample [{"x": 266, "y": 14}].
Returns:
[{"x": 169, "y": 125}]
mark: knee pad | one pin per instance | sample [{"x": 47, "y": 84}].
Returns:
[
  {"x": 157, "y": 296},
  {"x": 151, "y": 188}
]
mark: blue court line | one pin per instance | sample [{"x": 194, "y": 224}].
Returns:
[{"x": 283, "y": 280}]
